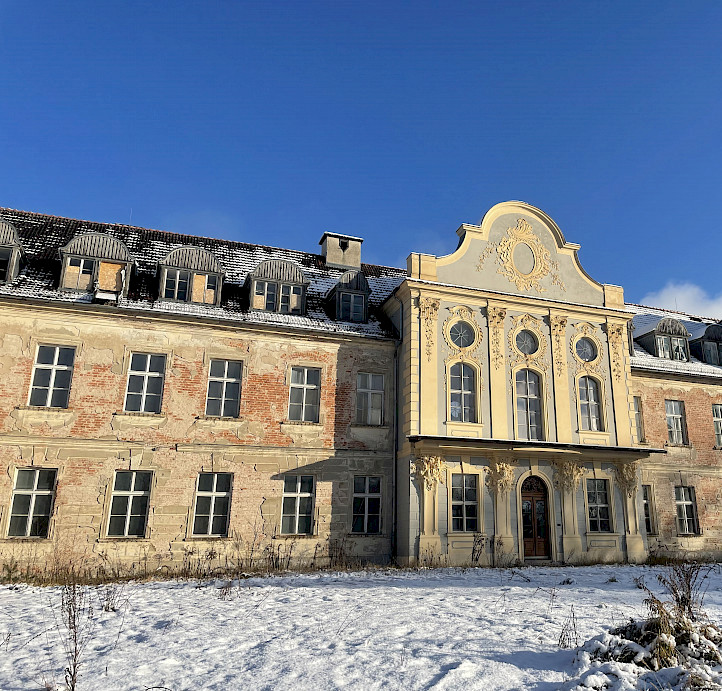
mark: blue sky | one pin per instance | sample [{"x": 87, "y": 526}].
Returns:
[{"x": 272, "y": 122}]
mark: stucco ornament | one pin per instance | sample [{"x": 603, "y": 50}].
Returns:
[
  {"x": 462, "y": 353},
  {"x": 496, "y": 317},
  {"x": 528, "y": 266},
  {"x": 567, "y": 475},
  {"x": 526, "y": 322},
  {"x": 626, "y": 475},
  {"x": 593, "y": 366},
  {"x": 429, "y": 308},
  {"x": 500, "y": 476},
  {"x": 615, "y": 334},
  {"x": 429, "y": 469},
  {"x": 559, "y": 329}
]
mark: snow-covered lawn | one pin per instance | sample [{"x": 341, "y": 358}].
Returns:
[{"x": 442, "y": 629}]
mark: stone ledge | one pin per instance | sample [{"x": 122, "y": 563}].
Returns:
[
  {"x": 125, "y": 421},
  {"x": 32, "y": 416}
]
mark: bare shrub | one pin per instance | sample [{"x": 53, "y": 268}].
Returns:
[
  {"x": 569, "y": 637},
  {"x": 76, "y": 626}
]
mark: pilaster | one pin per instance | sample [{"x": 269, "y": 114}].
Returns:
[
  {"x": 567, "y": 476},
  {"x": 562, "y": 395},
  {"x": 497, "y": 372},
  {"x": 500, "y": 480},
  {"x": 429, "y": 472}
]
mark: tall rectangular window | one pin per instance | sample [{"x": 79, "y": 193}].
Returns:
[
  {"x": 265, "y": 295},
  {"x": 52, "y": 374},
  {"x": 647, "y": 504},
  {"x": 32, "y": 502},
  {"x": 79, "y": 273},
  {"x": 290, "y": 299},
  {"x": 176, "y": 284},
  {"x": 366, "y": 505},
  {"x": 352, "y": 307},
  {"x": 369, "y": 399},
  {"x": 464, "y": 503},
  {"x": 638, "y": 419},
  {"x": 686, "y": 501},
  {"x": 664, "y": 347},
  {"x": 129, "y": 503},
  {"x": 600, "y": 520},
  {"x": 676, "y": 423},
  {"x": 717, "y": 418},
  {"x": 590, "y": 409},
  {"x": 712, "y": 352},
  {"x": 297, "y": 511},
  {"x": 305, "y": 395},
  {"x": 213, "y": 504},
  {"x": 462, "y": 393},
  {"x": 224, "y": 388},
  {"x": 679, "y": 349},
  {"x": 529, "y": 406},
  {"x": 145, "y": 383}
]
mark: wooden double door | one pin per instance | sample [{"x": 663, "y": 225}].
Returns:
[{"x": 535, "y": 518}]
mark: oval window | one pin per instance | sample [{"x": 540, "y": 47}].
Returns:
[
  {"x": 586, "y": 350},
  {"x": 462, "y": 334},
  {"x": 527, "y": 342}
]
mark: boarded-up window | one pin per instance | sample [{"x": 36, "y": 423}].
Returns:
[
  {"x": 79, "y": 274},
  {"x": 110, "y": 276},
  {"x": 205, "y": 287}
]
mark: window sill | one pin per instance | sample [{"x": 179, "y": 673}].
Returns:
[
  {"x": 302, "y": 423},
  {"x": 196, "y": 538},
  {"x": 121, "y": 538},
  {"x": 124, "y": 420},
  {"x": 466, "y": 533},
  {"x": 22, "y": 538},
  {"x": 366, "y": 535},
  {"x": 34, "y": 416},
  {"x": 295, "y": 536},
  {"x": 678, "y": 446},
  {"x": 597, "y": 533},
  {"x": 361, "y": 425}
]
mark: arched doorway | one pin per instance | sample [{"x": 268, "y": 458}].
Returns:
[{"x": 535, "y": 518}]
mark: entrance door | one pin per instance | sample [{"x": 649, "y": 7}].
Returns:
[{"x": 534, "y": 515}]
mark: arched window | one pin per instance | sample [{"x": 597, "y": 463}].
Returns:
[
  {"x": 590, "y": 409},
  {"x": 462, "y": 393},
  {"x": 528, "y": 406}
]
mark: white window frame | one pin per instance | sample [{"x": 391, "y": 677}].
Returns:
[
  {"x": 130, "y": 494},
  {"x": 305, "y": 387},
  {"x": 464, "y": 503},
  {"x": 33, "y": 493},
  {"x": 297, "y": 495},
  {"x": 213, "y": 495},
  {"x": 676, "y": 422},
  {"x": 265, "y": 293},
  {"x": 286, "y": 294},
  {"x": 650, "y": 524},
  {"x": 175, "y": 275},
  {"x": 356, "y": 307},
  {"x": 207, "y": 288},
  {"x": 466, "y": 413},
  {"x": 526, "y": 421},
  {"x": 365, "y": 496},
  {"x": 684, "y": 500},
  {"x": 224, "y": 380},
  {"x": 365, "y": 397},
  {"x": 146, "y": 374},
  {"x": 717, "y": 421},
  {"x": 6, "y": 267},
  {"x": 679, "y": 349},
  {"x": 83, "y": 264},
  {"x": 54, "y": 369},
  {"x": 599, "y": 505},
  {"x": 638, "y": 418},
  {"x": 593, "y": 420},
  {"x": 664, "y": 347}
]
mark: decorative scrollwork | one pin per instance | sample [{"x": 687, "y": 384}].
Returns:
[
  {"x": 559, "y": 329},
  {"x": 542, "y": 266},
  {"x": 626, "y": 475},
  {"x": 429, "y": 308},
  {"x": 585, "y": 330},
  {"x": 496, "y": 317},
  {"x": 500, "y": 476},
  {"x": 615, "y": 335},
  {"x": 429, "y": 469},
  {"x": 567, "y": 475},
  {"x": 536, "y": 326}
]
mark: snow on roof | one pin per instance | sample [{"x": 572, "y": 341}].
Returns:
[{"x": 41, "y": 236}]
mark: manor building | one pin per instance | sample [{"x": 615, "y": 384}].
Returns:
[{"x": 164, "y": 395}]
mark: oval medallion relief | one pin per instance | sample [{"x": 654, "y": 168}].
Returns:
[{"x": 523, "y": 258}]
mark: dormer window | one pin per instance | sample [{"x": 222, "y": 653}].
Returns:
[
  {"x": 672, "y": 348},
  {"x": 707, "y": 343},
  {"x": 96, "y": 263},
  {"x": 278, "y": 286},
  {"x": 664, "y": 337},
  {"x": 349, "y": 297},
  {"x": 712, "y": 352},
  {"x": 10, "y": 251},
  {"x": 191, "y": 274}
]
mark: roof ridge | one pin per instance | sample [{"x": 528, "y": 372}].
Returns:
[{"x": 671, "y": 311}]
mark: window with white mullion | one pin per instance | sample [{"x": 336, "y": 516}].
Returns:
[
  {"x": 529, "y": 406},
  {"x": 352, "y": 307},
  {"x": 177, "y": 283},
  {"x": 224, "y": 388},
  {"x": 679, "y": 349},
  {"x": 129, "y": 504},
  {"x": 305, "y": 394},
  {"x": 145, "y": 383},
  {"x": 297, "y": 507},
  {"x": 686, "y": 502},
  {"x": 717, "y": 417},
  {"x": 213, "y": 502},
  {"x": 32, "y": 502},
  {"x": 79, "y": 273},
  {"x": 676, "y": 425},
  {"x": 52, "y": 375},
  {"x": 664, "y": 347},
  {"x": 462, "y": 393},
  {"x": 638, "y": 419},
  {"x": 647, "y": 505},
  {"x": 590, "y": 409},
  {"x": 464, "y": 503},
  {"x": 600, "y": 520},
  {"x": 366, "y": 508},
  {"x": 369, "y": 399}
]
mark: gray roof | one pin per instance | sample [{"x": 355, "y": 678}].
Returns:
[
  {"x": 193, "y": 258},
  {"x": 98, "y": 246},
  {"x": 42, "y": 236}
]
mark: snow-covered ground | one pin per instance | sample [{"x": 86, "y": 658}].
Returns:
[{"x": 442, "y": 629}]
